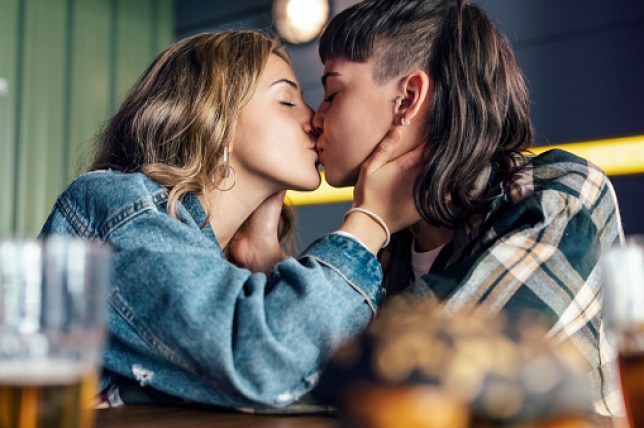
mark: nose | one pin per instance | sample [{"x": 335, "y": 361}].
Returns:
[
  {"x": 307, "y": 123},
  {"x": 318, "y": 120}
]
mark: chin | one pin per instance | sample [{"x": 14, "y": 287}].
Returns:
[
  {"x": 336, "y": 180},
  {"x": 307, "y": 185}
]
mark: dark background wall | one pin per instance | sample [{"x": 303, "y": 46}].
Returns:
[{"x": 584, "y": 61}]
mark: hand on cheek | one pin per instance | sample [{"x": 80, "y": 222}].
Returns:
[{"x": 385, "y": 188}]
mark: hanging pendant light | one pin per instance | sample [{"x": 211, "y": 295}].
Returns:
[{"x": 300, "y": 21}]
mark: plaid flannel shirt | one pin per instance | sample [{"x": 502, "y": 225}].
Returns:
[{"x": 537, "y": 248}]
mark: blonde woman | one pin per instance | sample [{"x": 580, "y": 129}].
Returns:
[{"x": 196, "y": 159}]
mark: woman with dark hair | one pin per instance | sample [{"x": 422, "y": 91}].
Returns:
[
  {"x": 502, "y": 230},
  {"x": 196, "y": 159}
]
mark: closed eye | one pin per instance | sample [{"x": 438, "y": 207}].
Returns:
[
  {"x": 288, "y": 104},
  {"x": 329, "y": 98}
]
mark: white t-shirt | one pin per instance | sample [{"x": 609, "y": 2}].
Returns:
[{"x": 422, "y": 262}]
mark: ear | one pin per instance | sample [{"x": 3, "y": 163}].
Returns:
[{"x": 417, "y": 88}]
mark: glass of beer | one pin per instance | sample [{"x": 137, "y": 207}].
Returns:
[
  {"x": 53, "y": 299},
  {"x": 623, "y": 269}
]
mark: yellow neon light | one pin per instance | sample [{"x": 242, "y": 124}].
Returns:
[
  {"x": 325, "y": 194},
  {"x": 616, "y": 156}
]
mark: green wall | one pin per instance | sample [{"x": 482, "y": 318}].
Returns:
[{"x": 65, "y": 65}]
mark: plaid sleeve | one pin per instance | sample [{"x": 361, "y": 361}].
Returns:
[{"x": 538, "y": 252}]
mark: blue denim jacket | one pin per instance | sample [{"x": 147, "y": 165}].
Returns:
[{"x": 186, "y": 322}]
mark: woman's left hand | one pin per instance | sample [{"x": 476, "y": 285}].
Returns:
[{"x": 255, "y": 245}]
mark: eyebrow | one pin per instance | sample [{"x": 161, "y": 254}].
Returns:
[
  {"x": 329, "y": 74},
  {"x": 288, "y": 82}
]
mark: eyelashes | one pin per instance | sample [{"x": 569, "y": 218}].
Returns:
[{"x": 329, "y": 98}]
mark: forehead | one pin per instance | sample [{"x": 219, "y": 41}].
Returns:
[
  {"x": 349, "y": 69},
  {"x": 277, "y": 68}
]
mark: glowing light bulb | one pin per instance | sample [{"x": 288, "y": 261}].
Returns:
[{"x": 300, "y": 21}]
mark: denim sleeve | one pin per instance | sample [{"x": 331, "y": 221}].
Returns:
[{"x": 235, "y": 338}]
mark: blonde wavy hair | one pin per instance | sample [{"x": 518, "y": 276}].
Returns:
[{"x": 181, "y": 114}]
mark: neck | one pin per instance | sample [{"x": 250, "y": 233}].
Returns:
[
  {"x": 428, "y": 237},
  {"x": 230, "y": 209}
]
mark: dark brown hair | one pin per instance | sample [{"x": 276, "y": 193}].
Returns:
[
  {"x": 181, "y": 114},
  {"x": 480, "y": 116}
]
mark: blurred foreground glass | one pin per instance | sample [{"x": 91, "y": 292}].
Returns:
[
  {"x": 52, "y": 320},
  {"x": 624, "y": 320}
]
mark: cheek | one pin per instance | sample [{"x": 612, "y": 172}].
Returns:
[
  {"x": 359, "y": 129},
  {"x": 256, "y": 145}
]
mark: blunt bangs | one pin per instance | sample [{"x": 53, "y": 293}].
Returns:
[{"x": 345, "y": 37}]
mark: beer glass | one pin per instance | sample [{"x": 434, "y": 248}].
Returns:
[
  {"x": 623, "y": 269},
  {"x": 53, "y": 297}
]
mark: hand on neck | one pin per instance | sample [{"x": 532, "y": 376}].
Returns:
[{"x": 230, "y": 209}]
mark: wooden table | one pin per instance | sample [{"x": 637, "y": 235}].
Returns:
[{"x": 162, "y": 417}]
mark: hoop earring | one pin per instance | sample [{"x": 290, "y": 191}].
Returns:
[
  {"x": 405, "y": 123},
  {"x": 224, "y": 171}
]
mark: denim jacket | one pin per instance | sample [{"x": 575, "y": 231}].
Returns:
[{"x": 185, "y": 322}]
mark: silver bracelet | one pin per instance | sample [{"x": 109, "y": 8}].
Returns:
[{"x": 376, "y": 218}]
